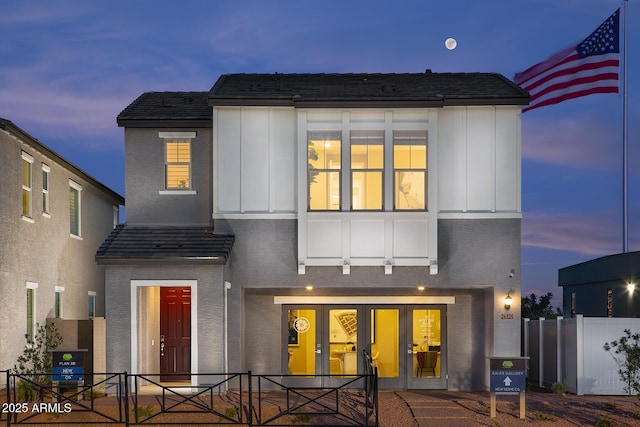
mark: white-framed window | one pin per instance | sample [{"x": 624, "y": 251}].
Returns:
[
  {"x": 177, "y": 162},
  {"x": 91, "y": 304},
  {"x": 367, "y": 170},
  {"x": 59, "y": 302},
  {"x": 410, "y": 170},
  {"x": 31, "y": 310},
  {"x": 75, "y": 209},
  {"x": 323, "y": 173},
  {"x": 27, "y": 163},
  {"x": 45, "y": 189},
  {"x": 116, "y": 216}
]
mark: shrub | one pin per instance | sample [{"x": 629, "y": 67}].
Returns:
[
  {"x": 35, "y": 363},
  {"x": 559, "y": 388},
  {"x": 626, "y": 352}
]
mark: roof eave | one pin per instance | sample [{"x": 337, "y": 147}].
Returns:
[
  {"x": 164, "y": 123},
  {"x": 124, "y": 260}
]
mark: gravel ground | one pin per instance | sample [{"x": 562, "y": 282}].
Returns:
[{"x": 420, "y": 408}]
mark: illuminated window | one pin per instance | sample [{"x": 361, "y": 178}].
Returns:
[
  {"x": 27, "y": 161},
  {"x": 75, "y": 212},
  {"x": 45, "y": 189},
  {"x": 410, "y": 170},
  {"x": 178, "y": 164},
  {"x": 323, "y": 155},
  {"x": 367, "y": 170}
]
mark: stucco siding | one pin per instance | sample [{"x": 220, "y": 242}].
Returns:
[
  {"x": 39, "y": 249},
  {"x": 145, "y": 171}
]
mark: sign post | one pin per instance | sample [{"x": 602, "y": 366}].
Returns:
[{"x": 508, "y": 376}]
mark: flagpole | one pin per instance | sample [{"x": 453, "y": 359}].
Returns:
[{"x": 625, "y": 142}]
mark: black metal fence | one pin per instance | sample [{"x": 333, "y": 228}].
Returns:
[{"x": 217, "y": 399}]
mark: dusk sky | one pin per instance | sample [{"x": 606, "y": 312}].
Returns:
[{"x": 68, "y": 68}]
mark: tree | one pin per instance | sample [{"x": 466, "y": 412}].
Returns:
[
  {"x": 626, "y": 353},
  {"x": 534, "y": 308}
]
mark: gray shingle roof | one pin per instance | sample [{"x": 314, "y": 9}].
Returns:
[
  {"x": 162, "y": 243},
  {"x": 367, "y": 90},
  {"x": 172, "y": 108}
]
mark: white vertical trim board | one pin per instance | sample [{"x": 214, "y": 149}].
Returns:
[{"x": 193, "y": 284}]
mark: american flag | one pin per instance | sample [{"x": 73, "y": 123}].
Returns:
[{"x": 591, "y": 66}]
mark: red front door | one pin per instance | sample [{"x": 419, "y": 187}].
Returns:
[{"x": 175, "y": 334}]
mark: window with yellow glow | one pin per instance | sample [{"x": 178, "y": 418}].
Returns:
[
  {"x": 178, "y": 164},
  {"x": 410, "y": 170},
  {"x": 26, "y": 187},
  {"x": 323, "y": 173},
  {"x": 367, "y": 170}
]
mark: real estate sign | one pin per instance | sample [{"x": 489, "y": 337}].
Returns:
[
  {"x": 68, "y": 365},
  {"x": 507, "y": 375}
]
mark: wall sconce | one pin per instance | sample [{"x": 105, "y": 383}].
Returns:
[
  {"x": 631, "y": 287},
  {"x": 507, "y": 301}
]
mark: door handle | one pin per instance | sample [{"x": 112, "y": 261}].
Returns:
[
  {"x": 161, "y": 349},
  {"x": 318, "y": 351}
]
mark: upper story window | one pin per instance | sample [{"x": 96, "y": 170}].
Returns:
[
  {"x": 177, "y": 164},
  {"x": 27, "y": 162},
  {"x": 324, "y": 163},
  {"x": 45, "y": 189},
  {"x": 410, "y": 170},
  {"x": 367, "y": 170},
  {"x": 75, "y": 203}
]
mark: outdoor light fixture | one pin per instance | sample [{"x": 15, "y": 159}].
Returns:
[
  {"x": 421, "y": 288},
  {"x": 309, "y": 287},
  {"x": 508, "y": 300},
  {"x": 631, "y": 287}
]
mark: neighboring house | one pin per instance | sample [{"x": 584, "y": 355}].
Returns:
[
  {"x": 53, "y": 217},
  {"x": 282, "y": 223},
  {"x": 603, "y": 287}
]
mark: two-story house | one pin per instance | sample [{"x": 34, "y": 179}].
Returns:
[
  {"x": 53, "y": 216},
  {"x": 282, "y": 223}
]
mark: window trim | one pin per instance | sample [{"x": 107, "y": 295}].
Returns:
[
  {"x": 46, "y": 208},
  {"x": 28, "y": 158},
  {"x": 58, "y": 302},
  {"x": 75, "y": 186},
  {"x": 169, "y": 136},
  {"x": 91, "y": 296},
  {"x": 31, "y": 329}
]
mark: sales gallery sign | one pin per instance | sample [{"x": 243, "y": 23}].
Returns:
[{"x": 508, "y": 375}]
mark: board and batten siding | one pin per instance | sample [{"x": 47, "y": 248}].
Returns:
[
  {"x": 254, "y": 158},
  {"x": 479, "y": 160}
]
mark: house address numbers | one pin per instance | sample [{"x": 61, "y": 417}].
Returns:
[{"x": 507, "y": 316}]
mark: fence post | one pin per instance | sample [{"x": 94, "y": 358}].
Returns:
[
  {"x": 541, "y": 352},
  {"x": 126, "y": 399},
  {"x": 579, "y": 354},
  {"x": 249, "y": 388},
  {"x": 559, "y": 350}
]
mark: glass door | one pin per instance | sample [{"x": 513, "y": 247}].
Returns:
[
  {"x": 344, "y": 342},
  {"x": 426, "y": 361},
  {"x": 385, "y": 341},
  {"x": 302, "y": 358}
]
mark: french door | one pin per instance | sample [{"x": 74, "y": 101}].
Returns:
[{"x": 324, "y": 344}]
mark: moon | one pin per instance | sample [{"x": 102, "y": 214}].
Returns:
[{"x": 450, "y": 43}]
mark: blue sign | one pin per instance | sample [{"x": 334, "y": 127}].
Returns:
[
  {"x": 68, "y": 365},
  {"x": 508, "y": 382},
  {"x": 507, "y": 375}
]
